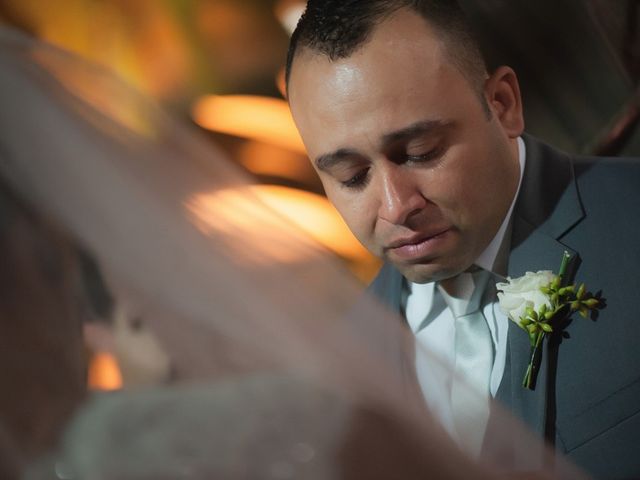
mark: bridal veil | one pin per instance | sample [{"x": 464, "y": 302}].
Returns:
[{"x": 268, "y": 362}]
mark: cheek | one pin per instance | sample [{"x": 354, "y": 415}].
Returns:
[
  {"x": 451, "y": 189},
  {"x": 358, "y": 214},
  {"x": 461, "y": 195},
  {"x": 473, "y": 186}
]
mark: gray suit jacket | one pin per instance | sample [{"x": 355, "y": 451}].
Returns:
[{"x": 587, "y": 398}]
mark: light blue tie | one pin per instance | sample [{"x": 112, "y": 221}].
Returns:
[{"x": 474, "y": 355}]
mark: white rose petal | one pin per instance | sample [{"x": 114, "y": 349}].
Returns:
[{"x": 518, "y": 294}]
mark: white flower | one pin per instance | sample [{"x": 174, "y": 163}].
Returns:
[{"x": 520, "y": 293}]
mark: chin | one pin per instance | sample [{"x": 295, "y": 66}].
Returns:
[{"x": 425, "y": 273}]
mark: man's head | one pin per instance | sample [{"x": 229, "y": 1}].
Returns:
[
  {"x": 337, "y": 28},
  {"x": 414, "y": 142}
]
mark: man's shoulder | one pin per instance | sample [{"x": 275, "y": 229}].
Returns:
[
  {"x": 617, "y": 166},
  {"x": 582, "y": 162},
  {"x": 387, "y": 285},
  {"x": 608, "y": 179},
  {"x": 598, "y": 175},
  {"x": 387, "y": 275}
]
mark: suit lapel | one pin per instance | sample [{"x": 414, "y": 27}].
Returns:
[
  {"x": 531, "y": 405},
  {"x": 548, "y": 206},
  {"x": 548, "y": 202}
]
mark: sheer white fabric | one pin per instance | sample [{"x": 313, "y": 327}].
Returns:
[{"x": 281, "y": 368}]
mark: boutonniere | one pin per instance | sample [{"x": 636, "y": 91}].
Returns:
[{"x": 537, "y": 302}]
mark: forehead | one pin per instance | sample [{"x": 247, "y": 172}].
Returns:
[
  {"x": 404, "y": 41},
  {"x": 400, "y": 76}
]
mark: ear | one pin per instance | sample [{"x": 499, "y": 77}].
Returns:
[{"x": 502, "y": 92}]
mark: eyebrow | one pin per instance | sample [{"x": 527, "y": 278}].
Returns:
[
  {"x": 329, "y": 160},
  {"x": 414, "y": 130}
]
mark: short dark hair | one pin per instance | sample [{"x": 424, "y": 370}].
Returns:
[{"x": 337, "y": 28}]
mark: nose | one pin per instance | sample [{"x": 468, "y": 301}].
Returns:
[{"x": 401, "y": 196}]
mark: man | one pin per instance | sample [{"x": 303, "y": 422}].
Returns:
[{"x": 422, "y": 152}]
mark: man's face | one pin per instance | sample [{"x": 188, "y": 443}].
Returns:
[{"x": 405, "y": 149}]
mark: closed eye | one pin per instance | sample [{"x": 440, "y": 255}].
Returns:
[
  {"x": 425, "y": 157},
  {"x": 358, "y": 180}
]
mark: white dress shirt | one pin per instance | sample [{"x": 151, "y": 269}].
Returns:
[{"x": 433, "y": 325}]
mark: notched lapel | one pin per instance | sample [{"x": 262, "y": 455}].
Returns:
[
  {"x": 548, "y": 201},
  {"x": 548, "y": 206},
  {"x": 535, "y": 407}
]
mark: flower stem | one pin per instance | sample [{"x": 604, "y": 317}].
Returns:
[
  {"x": 566, "y": 256},
  {"x": 529, "y": 380}
]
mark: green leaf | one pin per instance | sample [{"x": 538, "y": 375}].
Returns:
[
  {"x": 584, "y": 311},
  {"x": 581, "y": 291}
]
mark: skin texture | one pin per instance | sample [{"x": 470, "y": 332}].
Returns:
[{"x": 406, "y": 151}]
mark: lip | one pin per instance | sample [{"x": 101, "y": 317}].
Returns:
[{"x": 418, "y": 246}]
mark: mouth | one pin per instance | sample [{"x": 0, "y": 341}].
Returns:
[{"x": 418, "y": 247}]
